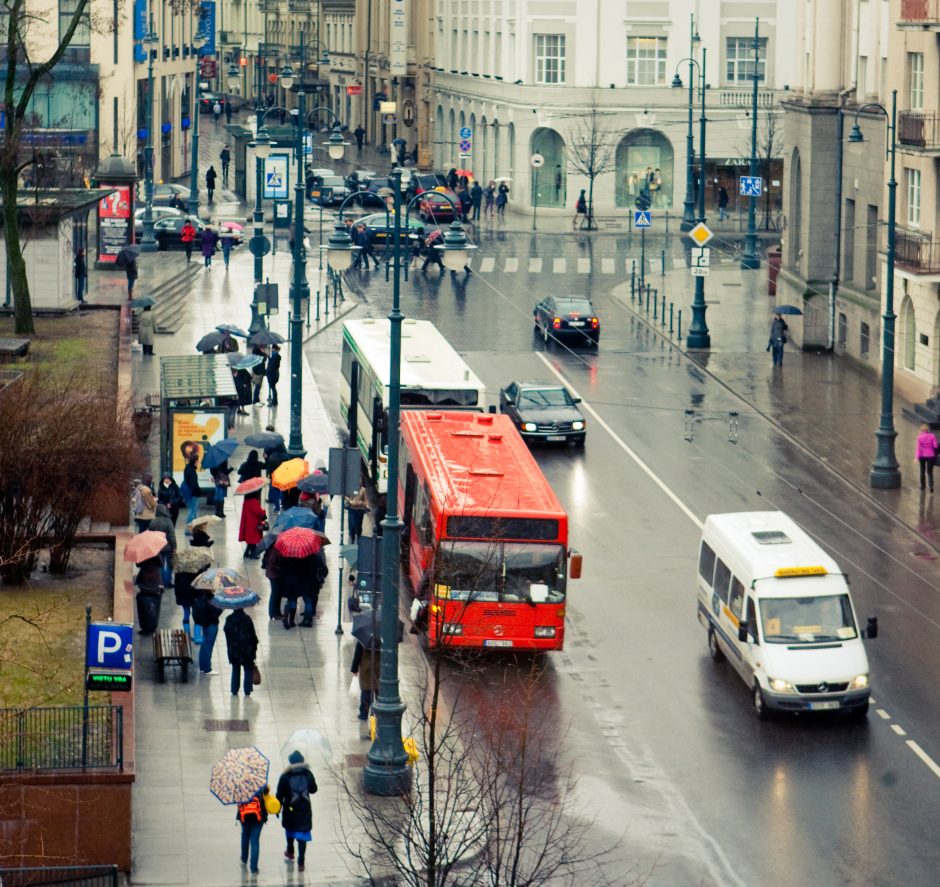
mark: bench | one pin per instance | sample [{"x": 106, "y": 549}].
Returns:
[
  {"x": 152, "y": 403},
  {"x": 171, "y": 646}
]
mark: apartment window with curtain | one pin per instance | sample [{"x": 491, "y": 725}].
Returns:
[
  {"x": 646, "y": 61},
  {"x": 739, "y": 59},
  {"x": 82, "y": 35},
  {"x": 915, "y": 68},
  {"x": 549, "y": 58},
  {"x": 912, "y": 177}
]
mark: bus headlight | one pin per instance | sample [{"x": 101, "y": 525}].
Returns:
[
  {"x": 452, "y": 628},
  {"x": 577, "y": 426},
  {"x": 545, "y": 631},
  {"x": 528, "y": 426},
  {"x": 778, "y": 685},
  {"x": 860, "y": 683}
]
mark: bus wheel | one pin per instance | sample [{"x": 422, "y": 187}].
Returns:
[
  {"x": 713, "y": 649},
  {"x": 760, "y": 707}
]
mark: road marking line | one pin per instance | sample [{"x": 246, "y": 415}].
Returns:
[
  {"x": 535, "y": 266},
  {"x": 883, "y": 715},
  {"x": 898, "y": 729},
  {"x": 512, "y": 265},
  {"x": 931, "y": 764},
  {"x": 607, "y": 266},
  {"x": 624, "y": 446},
  {"x": 487, "y": 264},
  {"x": 559, "y": 265},
  {"x": 584, "y": 266}
]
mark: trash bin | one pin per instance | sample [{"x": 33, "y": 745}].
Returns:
[
  {"x": 773, "y": 266},
  {"x": 148, "y": 610}
]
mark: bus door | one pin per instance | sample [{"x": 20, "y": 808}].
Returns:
[{"x": 409, "y": 483}]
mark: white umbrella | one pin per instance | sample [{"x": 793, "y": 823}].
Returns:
[
  {"x": 307, "y": 741},
  {"x": 503, "y": 179}
]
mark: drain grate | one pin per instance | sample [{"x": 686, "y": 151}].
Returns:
[{"x": 237, "y": 726}]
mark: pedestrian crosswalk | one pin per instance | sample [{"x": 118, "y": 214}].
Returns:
[{"x": 556, "y": 265}]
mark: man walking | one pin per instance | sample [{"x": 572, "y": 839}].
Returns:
[
  {"x": 364, "y": 241},
  {"x": 476, "y": 200},
  {"x": 211, "y": 176},
  {"x": 226, "y": 157},
  {"x": 722, "y": 203},
  {"x": 273, "y": 373},
  {"x": 360, "y": 135},
  {"x": 778, "y": 338}
]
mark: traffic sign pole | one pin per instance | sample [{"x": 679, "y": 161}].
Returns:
[
  {"x": 537, "y": 161},
  {"x": 698, "y": 330},
  {"x": 750, "y": 260}
]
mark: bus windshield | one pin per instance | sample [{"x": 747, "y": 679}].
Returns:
[
  {"x": 509, "y": 572},
  {"x": 807, "y": 620}
]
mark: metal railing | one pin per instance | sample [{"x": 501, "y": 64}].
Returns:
[
  {"x": 738, "y": 98},
  {"x": 919, "y": 129},
  {"x": 916, "y": 252},
  {"x": 61, "y": 876},
  {"x": 920, "y": 11},
  {"x": 61, "y": 738}
]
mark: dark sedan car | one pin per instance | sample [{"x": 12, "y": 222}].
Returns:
[
  {"x": 543, "y": 411},
  {"x": 571, "y": 317},
  {"x": 167, "y": 232},
  {"x": 377, "y": 225}
]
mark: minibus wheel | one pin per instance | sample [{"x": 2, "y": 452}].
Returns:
[
  {"x": 713, "y": 649},
  {"x": 760, "y": 707}
]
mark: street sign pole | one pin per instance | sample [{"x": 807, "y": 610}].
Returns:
[
  {"x": 698, "y": 336},
  {"x": 537, "y": 161},
  {"x": 642, "y": 258},
  {"x": 750, "y": 260}
]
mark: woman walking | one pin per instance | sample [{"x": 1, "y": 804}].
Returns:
[
  {"x": 250, "y": 468},
  {"x": 185, "y": 595},
  {"x": 252, "y": 525},
  {"x": 294, "y": 789},
  {"x": 191, "y": 490},
  {"x": 208, "y": 243},
  {"x": 241, "y": 642},
  {"x": 926, "y": 455},
  {"x": 188, "y": 237},
  {"x": 502, "y": 198},
  {"x": 145, "y": 330},
  {"x": 489, "y": 196},
  {"x": 220, "y": 475},
  {"x": 580, "y": 209},
  {"x": 164, "y": 524}
]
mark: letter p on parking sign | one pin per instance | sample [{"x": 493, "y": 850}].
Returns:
[{"x": 110, "y": 645}]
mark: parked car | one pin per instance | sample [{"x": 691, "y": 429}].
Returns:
[
  {"x": 207, "y": 102},
  {"x": 157, "y": 212},
  {"x": 163, "y": 193},
  {"x": 425, "y": 181},
  {"x": 567, "y": 316},
  {"x": 167, "y": 232},
  {"x": 434, "y": 206},
  {"x": 329, "y": 190},
  {"x": 543, "y": 411},
  {"x": 377, "y": 225}
]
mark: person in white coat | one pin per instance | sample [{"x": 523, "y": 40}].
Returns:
[{"x": 145, "y": 330}]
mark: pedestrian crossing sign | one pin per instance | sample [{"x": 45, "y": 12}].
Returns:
[
  {"x": 642, "y": 218},
  {"x": 274, "y": 180}
]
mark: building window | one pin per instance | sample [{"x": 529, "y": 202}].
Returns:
[
  {"x": 861, "y": 87},
  {"x": 646, "y": 61},
  {"x": 848, "y": 252},
  {"x": 739, "y": 59},
  {"x": 913, "y": 197},
  {"x": 864, "y": 340},
  {"x": 871, "y": 247},
  {"x": 915, "y": 67},
  {"x": 82, "y": 35},
  {"x": 549, "y": 58},
  {"x": 843, "y": 329}
]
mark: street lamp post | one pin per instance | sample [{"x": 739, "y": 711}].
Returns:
[
  {"x": 885, "y": 474},
  {"x": 387, "y": 773},
  {"x": 750, "y": 259},
  {"x": 688, "y": 205},
  {"x": 198, "y": 41},
  {"x": 148, "y": 243}
]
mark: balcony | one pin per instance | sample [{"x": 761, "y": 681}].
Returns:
[
  {"x": 919, "y": 15},
  {"x": 744, "y": 98},
  {"x": 920, "y": 130},
  {"x": 916, "y": 252},
  {"x": 298, "y": 6},
  {"x": 267, "y": 6}
]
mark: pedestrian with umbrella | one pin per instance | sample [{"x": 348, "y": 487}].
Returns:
[
  {"x": 274, "y": 456},
  {"x": 208, "y": 243},
  {"x": 299, "y": 547},
  {"x": 163, "y": 523},
  {"x": 127, "y": 259},
  {"x": 273, "y": 373},
  {"x": 144, "y": 550},
  {"x": 251, "y": 467},
  {"x": 257, "y": 373},
  {"x": 146, "y": 330},
  {"x": 241, "y": 778},
  {"x": 778, "y": 338},
  {"x": 272, "y": 564},
  {"x": 188, "y": 237},
  {"x": 206, "y": 615},
  {"x": 367, "y": 663},
  {"x": 294, "y": 789},
  {"x": 191, "y": 491},
  {"x": 189, "y": 564},
  {"x": 253, "y": 524},
  {"x": 241, "y": 643}
]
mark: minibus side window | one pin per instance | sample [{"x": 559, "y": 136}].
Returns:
[
  {"x": 736, "y": 603},
  {"x": 722, "y": 580},
  {"x": 706, "y": 563},
  {"x": 752, "y": 620}
]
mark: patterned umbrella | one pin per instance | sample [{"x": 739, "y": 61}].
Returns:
[
  {"x": 252, "y": 485},
  {"x": 318, "y": 482},
  {"x": 235, "y": 598},
  {"x": 288, "y": 473},
  {"x": 220, "y": 577},
  {"x": 144, "y": 546},
  {"x": 298, "y": 542},
  {"x": 204, "y": 521},
  {"x": 192, "y": 560},
  {"x": 238, "y": 775},
  {"x": 295, "y": 517}
]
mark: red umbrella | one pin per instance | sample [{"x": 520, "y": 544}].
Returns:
[
  {"x": 298, "y": 542},
  {"x": 252, "y": 485}
]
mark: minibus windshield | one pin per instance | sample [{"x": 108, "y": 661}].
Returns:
[{"x": 807, "y": 620}]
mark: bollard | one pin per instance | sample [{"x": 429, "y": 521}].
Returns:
[
  {"x": 655, "y": 304},
  {"x": 647, "y": 301},
  {"x": 639, "y": 296},
  {"x": 633, "y": 282},
  {"x": 662, "y": 313},
  {"x": 308, "y": 308},
  {"x": 662, "y": 263},
  {"x": 679, "y": 330},
  {"x": 670, "y": 318}
]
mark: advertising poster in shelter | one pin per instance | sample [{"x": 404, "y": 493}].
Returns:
[{"x": 192, "y": 432}]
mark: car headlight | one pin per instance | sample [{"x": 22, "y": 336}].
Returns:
[
  {"x": 577, "y": 426},
  {"x": 528, "y": 426},
  {"x": 545, "y": 631},
  {"x": 859, "y": 683},
  {"x": 779, "y": 685}
]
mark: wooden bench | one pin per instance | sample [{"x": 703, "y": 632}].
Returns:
[{"x": 171, "y": 646}]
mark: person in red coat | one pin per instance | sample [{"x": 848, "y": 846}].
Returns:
[{"x": 253, "y": 524}]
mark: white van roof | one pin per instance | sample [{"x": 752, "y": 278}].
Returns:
[{"x": 758, "y": 543}]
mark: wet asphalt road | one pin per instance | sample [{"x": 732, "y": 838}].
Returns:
[{"x": 669, "y": 755}]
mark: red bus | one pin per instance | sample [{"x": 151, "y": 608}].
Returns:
[{"x": 485, "y": 539}]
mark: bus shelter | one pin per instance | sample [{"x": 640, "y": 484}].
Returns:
[{"x": 197, "y": 396}]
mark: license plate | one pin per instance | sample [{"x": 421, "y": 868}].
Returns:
[
  {"x": 576, "y": 323},
  {"x": 554, "y": 437},
  {"x": 497, "y": 643},
  {"x": 823, "y": 706}
]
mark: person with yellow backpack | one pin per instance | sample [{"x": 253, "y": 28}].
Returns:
[{"x": 252, "y": 815}]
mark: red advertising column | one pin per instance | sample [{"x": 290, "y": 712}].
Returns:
[{"x": 116, "y": 211}]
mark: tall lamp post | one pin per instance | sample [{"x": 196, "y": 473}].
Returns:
[
  {"x": 688, "y": 205},
  {"x": 198, "y": 41},
  {"x": 262, "y": 149},
  {"x": 698, "y": 330},
  {"x": 749, "y": 258},
  {"x": 387, "y": 773},
  {"x": 885, "y": 474},
  {"x": 148, "y": 243}
]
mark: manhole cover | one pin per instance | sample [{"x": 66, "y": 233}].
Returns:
[{"x": 226, "y": 726}]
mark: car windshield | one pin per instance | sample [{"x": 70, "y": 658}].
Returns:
[
  {"x": 807, "y": 620},
  {"x": 541, "y": 398},
  {"x": 579, "y": 306},
  {"x": 509, "y": 572},
  {"x": 432, "y": 181},
  {"x": 333, "y": 181}
]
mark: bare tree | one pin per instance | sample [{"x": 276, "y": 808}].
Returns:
[
  {"x": 769, "y": 150},
  {"x": 592, "y": 150}
]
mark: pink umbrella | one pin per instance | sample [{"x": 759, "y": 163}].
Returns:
[{"x": 144, "y": 546}]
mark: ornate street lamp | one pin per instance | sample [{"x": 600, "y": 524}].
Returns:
[
  {"x": 198, "y": 41},
  {"x": 750, "y": 258},
  {"x": 688, "y": 205},
  {"x": 148, "y": 243},
  {"x": 262, "y": 148}
]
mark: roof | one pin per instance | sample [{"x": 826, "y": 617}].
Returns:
[
  {"x": 62, "y": 200},
  {"x": 788, "y": 545},
  {"x": 196, "y": 376},
  {"x": 477, "y": 464}
]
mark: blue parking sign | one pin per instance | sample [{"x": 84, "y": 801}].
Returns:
[
  {"x": 751, "y": 186},
  {"x": 110, "y": 645}
]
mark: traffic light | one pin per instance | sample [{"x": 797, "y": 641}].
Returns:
[{"x": 643, "y": 202}]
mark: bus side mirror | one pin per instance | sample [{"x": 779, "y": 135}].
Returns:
[
  {"x": 574, "y": 564},
  {"x": 872, "y": 630},
  {"x": 742, "y": 632}
]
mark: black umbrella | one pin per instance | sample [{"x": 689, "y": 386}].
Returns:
[
  {"x": 317, "y": 482},
  {"x": 143, "y": 302},
  {"x": 209, "y": 342},
  {"x": 127, "y": 255},
  {"x": 264, "y": 439},
  {"x": 786, "y": 309},
  {"x": 366, "y": 627},
  {"x": 266, "y": 337}
]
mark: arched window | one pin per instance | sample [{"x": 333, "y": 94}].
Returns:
[
  {"x": 439, "y": 137},
  {"x": 796, "y": 200},
  {"x": 548, "y": 180},
  {"x": 908, "y": 332},
  {"x": 642, "y": 154}
]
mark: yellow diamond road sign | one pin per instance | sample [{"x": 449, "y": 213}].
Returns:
[{"x": 701, "y": 234}]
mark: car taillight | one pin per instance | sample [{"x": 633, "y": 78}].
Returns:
[
  {"x": 595, "y": 323},
  {"x": 556, "y": 323}
]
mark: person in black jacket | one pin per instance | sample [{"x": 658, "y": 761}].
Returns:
[
  {"x": 243, "y": 387},
  {"x": 250, "y": 468},
  {"x": 241, "y": 642},
  {"x": 257, "y": 374},
  {"x": 150, "y": 582},
  {"x": 294, "y": 789},
  {"x": 168, "y": 494},
  {"x": 274, "y": 374},
  {"x": 220, "y": 475},
  {"x": 163, "y": 524},
  {"x": 206, "y": 615},
  {"x": 191, "y": 490}
]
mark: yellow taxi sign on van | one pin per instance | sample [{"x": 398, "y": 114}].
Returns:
[{"x": 790, "y": 572}]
